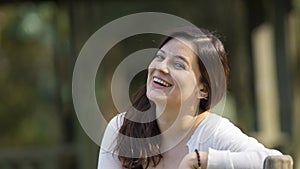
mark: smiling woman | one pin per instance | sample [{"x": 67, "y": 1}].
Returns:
[
  {"x": 186, "y": 78},
  {"x": 174, "y": 63}
]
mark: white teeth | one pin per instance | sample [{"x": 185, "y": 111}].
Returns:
[{"x": 161, "y": 82}]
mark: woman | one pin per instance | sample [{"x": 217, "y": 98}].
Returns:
[{"x": 170, "y": 124}]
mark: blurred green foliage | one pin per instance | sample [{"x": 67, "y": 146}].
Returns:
[{"x": 28, "y": 109}]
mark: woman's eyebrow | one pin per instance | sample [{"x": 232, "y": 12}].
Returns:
[
  {"x": 182, "y": 58},
  {"x": 176, "y": 56},
  {"x": 162, "y": 51}
]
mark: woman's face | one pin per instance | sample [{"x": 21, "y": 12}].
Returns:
[{"x": 173, "y": 75}]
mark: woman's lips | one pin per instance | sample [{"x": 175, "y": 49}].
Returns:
[{"x": 160, "y": 83}]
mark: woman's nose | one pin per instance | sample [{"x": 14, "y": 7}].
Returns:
[{"x": 163, "y": 67}]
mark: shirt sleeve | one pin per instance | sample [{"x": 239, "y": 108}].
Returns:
[
  {"x": 107, "y": 157},
  {"x": 234, "y": 149}
]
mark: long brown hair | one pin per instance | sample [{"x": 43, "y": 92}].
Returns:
[{"x": 136, "y": 153}]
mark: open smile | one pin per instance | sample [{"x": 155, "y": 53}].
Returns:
[{"x": 161, "y": 82}]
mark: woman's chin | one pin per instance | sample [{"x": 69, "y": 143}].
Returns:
[
  {"x": 156, "y": 95},
  {"x": 158, "y": 99}
]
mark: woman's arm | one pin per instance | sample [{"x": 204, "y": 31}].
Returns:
[
  {"x": 230, "y": 148},
  {"x": 233, "y": 149},
  {"x": 190, "y": 161},
  {"x": 107, "y": 158}
]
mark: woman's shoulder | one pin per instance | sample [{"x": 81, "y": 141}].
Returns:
[
  {"x": 221, "y": 125},
  {"x": 204, "y": 132},
  {"x": 210, "y": 126},
  {"x": 213, "y": 120},
  {"x": 111, "y": 132},
  {"x": 117, "y": 121},
  {"x": 217, "y": 121}
]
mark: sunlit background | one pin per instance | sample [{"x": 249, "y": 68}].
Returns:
[{"x": 40, "y": 41}]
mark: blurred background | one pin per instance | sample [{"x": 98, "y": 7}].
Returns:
[{"x": 40, "y": 41}]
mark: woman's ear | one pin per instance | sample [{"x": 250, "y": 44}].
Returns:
[{"x": 202, "y": 94}]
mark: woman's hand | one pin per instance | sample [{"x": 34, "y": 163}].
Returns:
[{"x": 190, "y": 161}]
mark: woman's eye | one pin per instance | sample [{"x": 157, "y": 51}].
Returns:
[
  {"x": 179, "y": 65},
  {"x": 159, "y": 57}
]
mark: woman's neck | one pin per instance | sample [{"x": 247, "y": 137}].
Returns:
[{"x": 177, "y": 123}]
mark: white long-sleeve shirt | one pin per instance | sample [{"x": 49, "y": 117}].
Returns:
[{"x": 227, "y": 146}]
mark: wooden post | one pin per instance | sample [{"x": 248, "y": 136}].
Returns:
[{"x": 278, "y": 162}]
